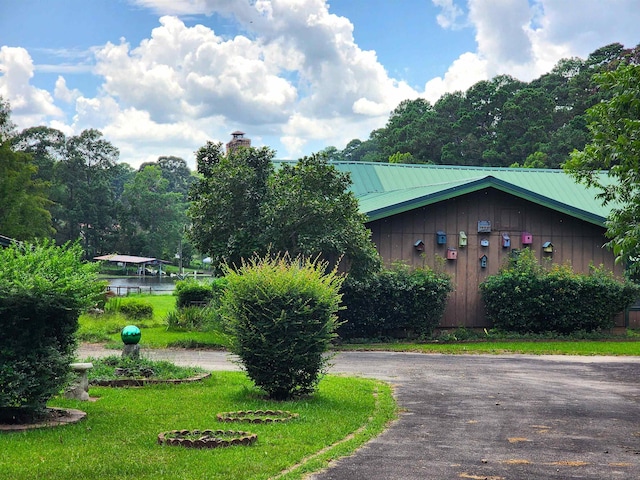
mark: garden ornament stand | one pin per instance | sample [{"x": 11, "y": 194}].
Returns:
[{"x": 130, "y": 336}]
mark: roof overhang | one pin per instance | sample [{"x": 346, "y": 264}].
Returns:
[{"x": 471, "y": 186}]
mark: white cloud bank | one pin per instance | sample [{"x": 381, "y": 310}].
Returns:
[{"x": 296, "y": 74}]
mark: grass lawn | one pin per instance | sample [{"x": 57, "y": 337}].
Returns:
[
  {"x": 118, "y": 439},
  {"x": 106, "y": 328},
  {"x": 623, "y": 346}
]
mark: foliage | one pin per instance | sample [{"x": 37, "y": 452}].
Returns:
[
  {"x": 105, "y": 368},
  {"x": 193, "y": 318},
  {"x": 310, "y": 211},
  {"x": 135, "y": 309},
  {"x": 497, "y": 122},
  {"x": 525, "y": 297},
  {"x": 43, "y": 289},
  {"x": 241, "y": 207},
  {"x": 23, "y": 211},
  {"x": 394, "y": 303},
  {"x": 281, "y": 314},
  {"x": 226, "y": 200},
  {"x": 615, "y": 148},
  {"x": 153, "y": 217},
  {"x": 192, "y": 291}
]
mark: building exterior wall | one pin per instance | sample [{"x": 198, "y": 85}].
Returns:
[{"x": 574, "y": 241}]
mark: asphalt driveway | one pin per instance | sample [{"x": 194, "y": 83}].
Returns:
[{"x": 511, "y": 417}]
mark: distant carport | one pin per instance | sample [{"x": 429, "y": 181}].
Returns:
[{"x": 140, "y": 262}]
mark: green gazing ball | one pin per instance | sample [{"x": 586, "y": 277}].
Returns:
[{"x": 130, "y": 335}]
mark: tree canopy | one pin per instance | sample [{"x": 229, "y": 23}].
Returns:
[
  {"x": 241, "y": 207},
  {"x": 498, "y": 122},
  {"x": 615, "y": 149}
]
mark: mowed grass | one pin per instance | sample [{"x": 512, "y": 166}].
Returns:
[
  {"x": 629, "y": 347},
  {"x": 118, "y": 439},
  {"x": 105, "y": 328}
]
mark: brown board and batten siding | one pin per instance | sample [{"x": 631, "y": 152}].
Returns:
[{"x": 575, "y": 241}]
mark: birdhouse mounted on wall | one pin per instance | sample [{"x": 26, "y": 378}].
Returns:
[
  {"x": 483, "y": 261},
  {"x": 484, "y": 242},
  {"x": 527, "y": 238},
  {"x": 462, "y": 239},
  {"x": 452, "y": 254},
  {"x": 484, "y": 226},
  {"x": 441, "y": 237},
  {"x": 419, "y": 246},
  {"x": 506, "y": 240},
  {"x": 547, "y": 247}
]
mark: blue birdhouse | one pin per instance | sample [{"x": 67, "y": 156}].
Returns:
[
  {"x": 441, "y": 237},
  {"x": 483, "y": 261},
  {"x": 506, "y": 240}
]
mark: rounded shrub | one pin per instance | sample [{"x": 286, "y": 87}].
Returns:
[
  {"x": 43, "y": 289},
  {"x": 135, "y": 309},
  {"x": 191, "y": 291},
  {"x": 281, "y": 314}
]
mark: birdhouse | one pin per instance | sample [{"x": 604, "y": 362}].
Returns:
[
  {"x": 506, "y": 240},
  {"x": 547, "y": 247},
  {"x": 484, "y": 226},
  {"x": 527, "y": 238},
  {"x": 419, "y": 246},
  {"x": 441, "y": 237},
  {"x": 462, "y": 239},
  {"x": 452, "y": 254},
  {"x": 483, "y": 261},
  {"x": 484, "y": 242}
]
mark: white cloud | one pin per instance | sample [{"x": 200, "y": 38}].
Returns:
[
  {"x": 464, "y": 72},
  {"x": 29, "y": 105},
  {"x": 292, "y": 71},
  {"x": 448, "y": 18},
  {"x": 63, "y": 93}
]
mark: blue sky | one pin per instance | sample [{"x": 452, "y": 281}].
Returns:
[{"x": 161, "y": 77}]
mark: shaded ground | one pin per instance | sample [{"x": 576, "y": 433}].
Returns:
[{"x": 490, "y": 417}]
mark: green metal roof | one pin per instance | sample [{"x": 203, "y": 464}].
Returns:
[{"x": 385, "y": 189}]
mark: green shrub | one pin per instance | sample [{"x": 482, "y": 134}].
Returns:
[
  {"x": 524, "y": 297},
  {"x": 193, "y": 318},
  {"x": 281, "y": 314},
  {"x": 192, "y": 291},
  {"x": 135, "y": 309},
  {"x": 43, "y": 289},
  {"x": 395, "y": 303}
]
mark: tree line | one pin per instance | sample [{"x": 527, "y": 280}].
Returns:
[
  {"x": 75, "y": 188},
  {"x": 500, "y": 122}
]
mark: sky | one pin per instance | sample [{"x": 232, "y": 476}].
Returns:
[{"x": 163, "y": 77}]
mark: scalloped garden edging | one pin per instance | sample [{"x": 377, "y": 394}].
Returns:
[
  {"x": 257, "y": 416},
  {"x": 141, "y": 382},
  {"x": 206, "y": 438}
]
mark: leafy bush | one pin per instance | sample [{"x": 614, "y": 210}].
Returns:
[
  {"x": 191, "y": 291},
  {"x": 281, "y": 314},
  {"x": 394, "y": 303},
  {"x": 524, "y": 297},
  {"x": 43, "y": 289},
  {"x": 193, "y": 318},
  {"x": 135, "y": 309}
]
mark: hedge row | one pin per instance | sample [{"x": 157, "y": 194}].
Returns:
[
  {"x": 395, "y": 303},
  {"x": 524, "y": 297}
]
